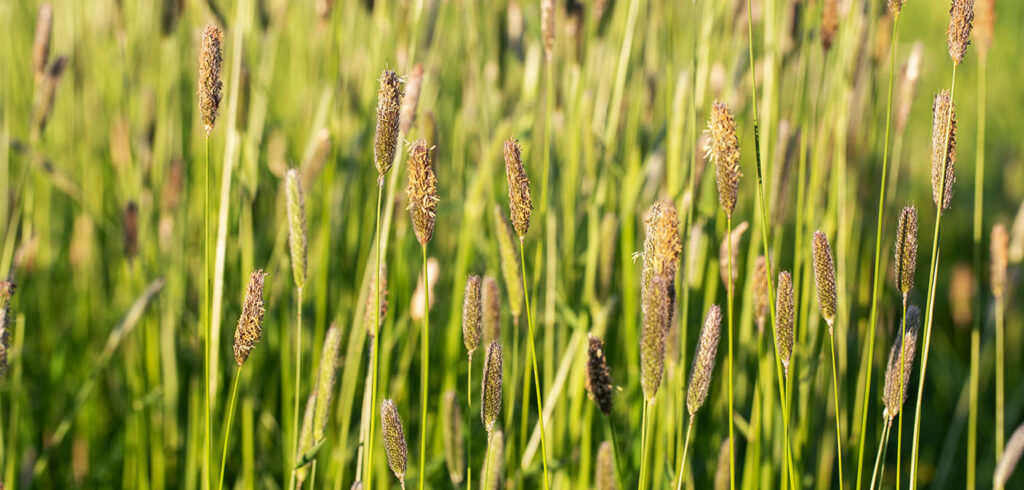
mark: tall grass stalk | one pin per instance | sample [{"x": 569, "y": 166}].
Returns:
[
  {"x": 376, "y": 337},
  {"x": 469, "y": 426},
  {"x": 979, "y": 189},
  {"x": 875, "y": 276},
  {"x": 730, "y": 285},
  {"x": 899, "y": 423},
  {"x": 686, "y": 446},
  {"x": 533, "y": 361},
  {"x": 883, "y": 444},
  {"x": 835, "y": 394},
  {"x": 227, "y": 427},
  {"x": 424, "y": 367},
  {"x": 207, "y": 444},
  {"x": 298, "y": 379}
]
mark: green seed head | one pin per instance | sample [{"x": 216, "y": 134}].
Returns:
[
  {"x": 824, "y": 278},
  {"x": 704, "y": 361}
]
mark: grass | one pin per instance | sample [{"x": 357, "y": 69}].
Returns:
[{"x": 102, "y": 390}]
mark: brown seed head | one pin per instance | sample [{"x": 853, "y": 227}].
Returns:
[
  {"x": 378, "y": 288},
  {"x": 943, "y": 149},
  {"x": 452, "y": 430},
  {"x": 824, "y": 277},
  {"x": 325, "y": 380},
  {"x": 471, "y": 313},
  {"x": 510, "y": 269},
  {"x": 250, "y": 322},
  {"x": 412, "y": 98},
  {"x": 211, "y": 56},
  {"x": 547, "y": 25},
  {"x": 604, "y": 470},
  {"x": 394, "y": 439},
  {"x": 895, "y": 6},
  {"x": 599, "y": 379},
  {"x": 490, "y": 318},
  {"x": 958, "y": 36},
  {"x": 296, "y": 226},
  {"x": 385, "y": 140},
  {"x": 1000, "y": 259},
  {"x": 6, "y": 292},
  {"x": 902, "y": 354},
  {"x": 704, "y": 361},
  {"x": 490, "y": 386},
  {"x": 727, "y": 261},
  {"x": 422, "y": 192},
  {"x": 760, "y": 292},
  {"x": 724, "y": 149},
  {"x": 520, "y": 205},
  {"x": 829, "y": 23},
  {"x": 906, "y": 250},
  {"x": 784, "y": 319},
  {"x": 41, "y": 44},
  {"x": 662, "y": 245},
  {"x": 984, "y": 34}
]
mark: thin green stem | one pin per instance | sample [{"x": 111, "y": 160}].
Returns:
[
  {"x": 487, "y": 464},
  {"x": 376, "y": 340},
  {"x": 979, "y": 188},
  {"x": 878, "y": 254},
  {"x": 882, "y": 443},
  {"x": 424, "y": 368},
  {"x": 686, "y": 446},
  {"x": 227, "y": 427},
  {"x": 618, "y": 453},
  {"x": 207, "y": 444},
  {"x": 835, "y": 394},
  {"x": 298, "y": 379},
  {"x": 729, "y": 295},
  {"x": 469, "y": 425},
  {"x": 1000, "y": 380},
  {"x": 643, "y": 447},
  {"x": 533, "y": 361},
  {"x": 899, "y": 425}
]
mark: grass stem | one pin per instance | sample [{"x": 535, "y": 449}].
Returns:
[
  {"x": 376, "y": 340},
  {"x": 835, "y": 393},
  {"x": 424, "y": 368},
  {"x": 227, "y": 426},
  {"x": 533, "y": 361}
]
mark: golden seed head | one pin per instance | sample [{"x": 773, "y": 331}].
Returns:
[
  {"x": 211, "y": 56},
  {"x": 829, "y": 23},
  {"x": 662, "y": 244},
  {"x": 296, "y": 226},
  {"x": 510, "y": 269},
  {"x": 471, "y": 314},
  {"x": 520, "y": 204},
  {"x": 723, "y": 148},
  {"x": 452, "y": 430},
  {"x": 6, "y": 292},
  {"x": 958, "y": 36},
  {"x": 895, "y": 6},
  {"x": 490, "y": 386},
  {"x": 906, "y": 250},
  {"x": 943, "y": 149},
  {"x": 784, "y": 319},
  {"x": 599, "y": 379},
  {"x": 727, "y": 261},
  {"x": 760, "y": 292},
  {"x": 385, "y": 140},
  {"x": 894, "y": 393},
  {"x": 704, "y": 361},
  {"x": 394, "y": 439},
  {"x": 325, "y": 380},
  {"x": 495, "y": 458},
  {"x": 547, "y": 26},
  {"x": 378, "y": 289},
  {"x": 422, "y": 192},
  {"x": 412, "y": 98},
  {"x": 984, "y": 34},
  {"x": 490, "y": 318},
  {"x": 250, "y": 322},
  {"x": 1000, "y": 259},
  {"x": 41, "y": 44},
  {"x": 824, "y": 277},
  {"x": 662, "y": 247}
]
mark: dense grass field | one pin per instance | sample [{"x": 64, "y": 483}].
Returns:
[{"x": 565, "y": 172}]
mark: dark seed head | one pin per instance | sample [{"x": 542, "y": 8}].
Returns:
[
  {"x": 250, "y": 322},
  {"x": 599, "y": 379}
]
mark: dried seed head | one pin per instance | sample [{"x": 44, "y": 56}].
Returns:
[
  {"x": 412, "y": 98},
  {"x": 495, "y": 458},
  {"x": 520, "y": 205},
  {"x": 986, "y": 20},
  {"x": 829, "y": 23},
  {"x": 784, "y": 319},
  {"x": 490, "y": 318},
  {"x": 547, "y": 26},
  {"x": 958, "y": 36},
  {"x": 378, "y": 289},
  {"x": 130, "y": 229},
  {"x": 41, "y": 44},
  {"x": 490, "y": 386},
  {"x": 722, "y": 470},
  {"x": 704, "y": 360},
  {"x": 660, "y": 296},
  {"x": 943, "y": 149},
  {"x": 471, "y": 313},
  {"x": 604, "y": 470},
  {"x": 599, "y": 379},
  {"x": 250, "y": 322},
  {"x": 911, "y": 73},
  {"x": 962, "y": 286},
  {"x": 296, "y": 226},
  {"x": 760, "y": 292},
  {"x": 6, "y": 292},
  {"x": 906, "y": 250},
  {"x": 211, "y": 56},
  {"x": 1000, "y": 242},
  {"x": 422, "y": 192},
  {"x": 305, "y": 442},
  {"x": 394, "y": 439},
  {"x": 727, "y": 261},
  {"x": 662, "y": 245},
  {"x": 325, "y": 379},
  {"x": 895, "y": 6},
  {"x": 724, "y": 149},
  {"x": 509, "y": 263},
  {"x": 452, "y": 420},
  {"x": 824, "y": 277},
  {"x": 1011, "y": 455},
  {"x": 902, "y": 354},
  {"x": 385, "y": 140}
]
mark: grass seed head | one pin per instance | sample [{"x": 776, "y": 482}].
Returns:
[
  {"x": 1000, "y": 259},
  {"x": 490, "y": 317},
  {"x": 547, "y": 26},
  {"x": 943, "y": 149},
  {"x": 704, "y": 361},
  {"x": 824, "y": 277},
  {"x": 296, "y": 226},
  {"x": 211, "y": 57},
  {"x": 599, "y": 379},
  {"x": 784, "y": 319},
  {"x": 452, "y": 430},
  {"x": 906, "y": 250},
  {"x": 385, "y": 139},
  {"x": 662, "y": 245},
  {"x": 660, "y": 296},
  {"x": 43, "y": 37},
  {"x": 895, "y": 6},
  {"x": 422, "y": 192},
  {"x": 490, "y": 387},
  {"x": 471, "y": 314},
  {"x": 510, "y": 269},
  {"x": 760, "y": 292},
  {"x": 520, "y": 204},
  {"x": 6, "y": 292},
  {"x": 958, "y": 36},
  {"x": 984, "y": 33},
  {"x": 829, "y": 23},
  {"x": 250, "y": 322},
  {"x": 394, "y": 440},
  {"x": 325, "y": 381},
  {"x": 724, "y": 149},
  {"x": 604, "y": 470},
  {"x": 902, "y": 354}
]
